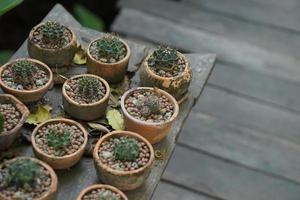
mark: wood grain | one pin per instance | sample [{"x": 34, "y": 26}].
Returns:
[{"x": 225, "y": 180}]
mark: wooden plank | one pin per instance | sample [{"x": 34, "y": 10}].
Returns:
[
  {"x": 168, "y": 191},
  {"x": 263, "y": 87},
  {"x": 281, "y": 14},
  {"x": 242, "y": 145},
  {"x": 143, "y": 25},
  {"x": 277, "y": 40},
  {"x": 202, "y": 65},
  {"x": 225, "y": 180},
  {"x": 251, "y": 114}
]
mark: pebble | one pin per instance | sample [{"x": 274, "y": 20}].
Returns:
[
  {"x": 94, "y": 53},
  {"x": 176, "y": 70},
  {"x": 95, "y": 194},
  {"x": 72, "y": 90},
  {"x": 77, "y": 139},
  {"x": 11, "y": 116},
  {"x": 41, "y": 186},
  {"x": 40, "y": 78},
  {"x": 134, "y": 106},
  {"x": 38, "y": 39},
  {"x": 106, "y": 155}
]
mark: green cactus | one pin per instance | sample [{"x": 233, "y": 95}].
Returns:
[
  {"x": 23, "y": 72},
  {"x": 164, "y": 58},
  {"x": 149, "y": 105},
  {"x": 90, "y": 87},
  {"x": 107, "y": 195},
  {"x": 110, "y": 46},
  {"x": 22, "y": 172},
  {"x": 127, "y": 149},
  {"x": 1, "y": 123},
  {"x": 58, "y": 139},
  {"x": 53, "y": 32}
]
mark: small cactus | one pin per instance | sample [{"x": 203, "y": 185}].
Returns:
[
  {"x": 1, "y": 123},
  {"x": 107, "y": 195},
  {"x": 164, "y": 58},
  {"x": 58, "y": 139},
  {"x": 127, "y": 149},
  {"x": 149, "y": 105},
  {"x": 53, "y": 32},
  {"x": 109, "y": 47},
  {"x": 22, "y": 172},
  {"x": 90, "y": 87},
  {"x": 23, "y": 72}
]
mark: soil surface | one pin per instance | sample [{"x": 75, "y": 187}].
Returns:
[
  {"x": 11, "y": 116},
  {"x": 76, "y": 139},
  {"x": 106, "y": 154}
]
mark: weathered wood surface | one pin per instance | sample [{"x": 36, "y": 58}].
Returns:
[
  {"x": 224, "y": 180},
  {"x": 253, "y": 83},
  {"x": 166, "y": 191},
  {"x": 72, "y": 181},
  {"x": 280, "y": 14},
  {"x": 145, "y": 25},
  {"x": 241, "y": 140}
]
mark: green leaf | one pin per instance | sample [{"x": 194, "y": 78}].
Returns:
[
  {"x": 42, "y": 114},
  {"x": 115, "y": 119},
  {"x": 5, "y": 56},
  {"x": 87, "y": 18},
  {"x": 7, "y": 5}
]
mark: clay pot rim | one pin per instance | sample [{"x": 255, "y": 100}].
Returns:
[
  {"x": 123, "y": 133},
  {"x": 54, "y": 180},
  {"x": 71, "y": 101},
  {"x": 24, "y": 111},
  {"x": 39, "y": 63},
  {"x": 152, "y": 73},
  {"x": 97, "y": 186},
  {"x": 170, "y": 97},
  {"x": 54, "y": 121},
  {"x": 73, "y": 39},
  {"x": 128, "y": 53}
]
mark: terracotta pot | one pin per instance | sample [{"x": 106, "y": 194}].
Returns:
[
  {"x": 51, "y": 193},
  {"x": 112, "y": 72},
  {"x": 154, "y": 132},
  {"x": 54, "y": 58},
  {"x": 176, "y": 86},
  {"x": 28, "y": 96},
  {"x": 62, "y": 162},
  {"x": 7, "y": 138},
  {"x": 86, "y": 112},
  {"x": 124, "y": 180},
  {"x": 99, "y": 186}
]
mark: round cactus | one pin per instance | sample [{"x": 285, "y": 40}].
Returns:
[
  {"x": 107, "y": 195},
  {"x": 23, "y": 72},
  {"x": 22, "y": 172},
  {"x": 110, "y": 46},
  {"x": 58, "y": 139},
  {"x": 90, "y": 87},
  {"x": 53, "y": 32},
  {"x": 127, "y": 149},
  {"x": 149, "y": 105},
  {"x": 164, "y": 57}
]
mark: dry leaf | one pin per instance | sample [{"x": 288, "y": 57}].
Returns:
[
  {"x": 98, "y": 127},
  {"x": 80, "y": 55},
  {"x": 42, "y": 114},
  {"x": 115, "y": 119},
  {"x": 59, "y": 79}
]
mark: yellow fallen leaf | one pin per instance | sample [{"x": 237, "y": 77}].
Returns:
[
  {"x": 42, "y": 114},
  {"x": 80, "y": 55},
  {"x": 115, "y": 119}
]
